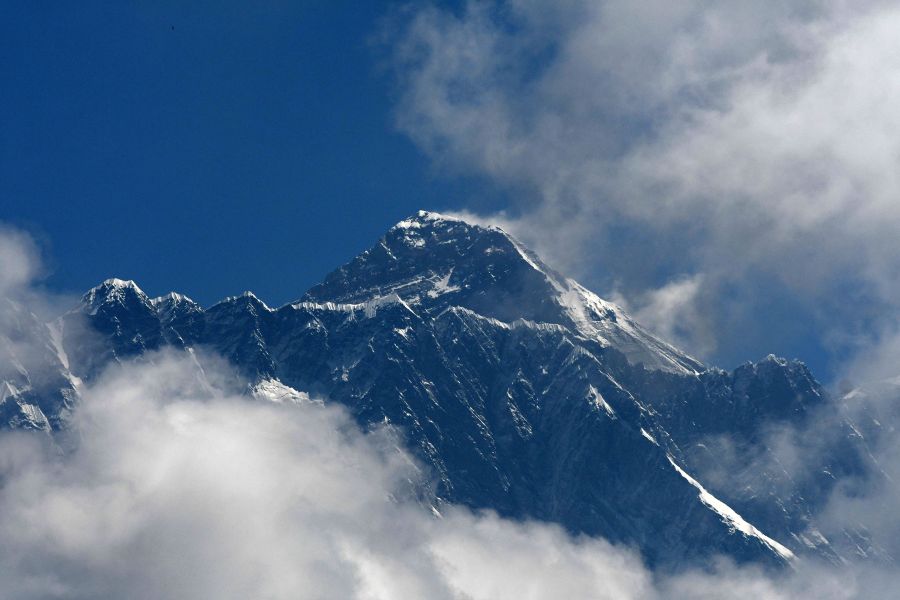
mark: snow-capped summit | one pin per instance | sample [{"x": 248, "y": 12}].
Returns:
[
  {"x": 171, "y": 299},
  {"x": 114, "y": 291},
  {"x": 114, "y": 320},
  {"x": 436, "y": 262},
  {"x": 425, "y": 216}
]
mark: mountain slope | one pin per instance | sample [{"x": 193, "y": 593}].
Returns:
[
  {"x": 37, "y": 390},
  {"x": 520, "y": 389},
  {"x": 435, "y": 262}
]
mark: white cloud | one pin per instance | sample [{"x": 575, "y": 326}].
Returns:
[
  {"x": 20, "y": 259},
  {"x": 24, "y": 340},
  {"x": 673, "y": 312},
  {"x": 181, "y": 489},
  {"x": 755, "y": 145}
]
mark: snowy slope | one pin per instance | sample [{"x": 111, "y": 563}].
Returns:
[{"x": 488, "y": 271}]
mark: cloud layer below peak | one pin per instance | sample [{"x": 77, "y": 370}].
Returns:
[{"x": 180, "y": 488}]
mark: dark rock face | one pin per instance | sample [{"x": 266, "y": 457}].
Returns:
[{"x": 524, "y": 392}]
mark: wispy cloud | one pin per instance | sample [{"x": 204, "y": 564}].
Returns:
[
  {"x": 648, "y": 142},
  {"x": 672, "y": 312},
  {"x": 21, "y": 262}
]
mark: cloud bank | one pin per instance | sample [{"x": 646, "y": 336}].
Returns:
[
  {"x": 752, "y": 149},
  {"x": 182, "y": 488}
]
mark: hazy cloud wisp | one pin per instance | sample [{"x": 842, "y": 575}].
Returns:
[{"x": 755, "y": 146}]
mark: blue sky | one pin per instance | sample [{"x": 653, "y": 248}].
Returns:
[
  {"x": 210, "y": 149},
  {"x": 725, "y": 171}
]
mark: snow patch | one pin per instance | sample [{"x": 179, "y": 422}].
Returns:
[
  {"x": 173, "y": 297},
  {"x": 111, "y": 290},
  {"x": 370, "y": 307},
  {"x": 442, "y": 286},
  {"x": 600, "y": 402},
  {"x": 7, "y": 390},
  {"x": 275, "y": 391},
  {"x": 56, "y": 336},
  {"x": 423, "y": 217},
  {"x": 247, "y": 294},
  {"x": 734, "y": 521},
  {"x": 525, "y": 255},
  {"x": 122, "y": 283}
]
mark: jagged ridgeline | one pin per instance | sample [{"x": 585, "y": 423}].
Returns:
[{"x": 522, "y": 391}]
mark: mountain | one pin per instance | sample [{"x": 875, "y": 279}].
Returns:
[
  {"x": 436, "y": 262},
  {"x": 37, "y": 389},
  {"x": 523, "y": 391}
]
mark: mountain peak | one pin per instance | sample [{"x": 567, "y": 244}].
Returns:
[
  {"x": 173, "y": 306},
  {"x": 114, "y": 291},
  {"x": 114, "y": 283},
  {"x": 246, "y": 298},
  {"x": 427, "y": 228},
  {"x": 171, "y": 298},
  {"x": 434, "y": 262},
  {"x": 434, "y": 258},
  {"x": 424, "y": 217}
]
